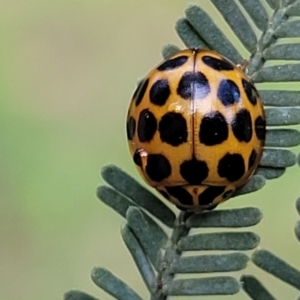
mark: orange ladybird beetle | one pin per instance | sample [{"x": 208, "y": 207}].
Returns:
[{"x": 196, "y": 129}]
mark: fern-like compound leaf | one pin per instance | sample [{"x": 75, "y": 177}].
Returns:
[
  {"x": 162, "y": 255},
  {"x": 198, "y": 30}
]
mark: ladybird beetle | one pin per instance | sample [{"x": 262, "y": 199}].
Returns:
[{"x": 196, "y": 129}]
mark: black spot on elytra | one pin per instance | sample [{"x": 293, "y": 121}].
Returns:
[
  {"x": 252, "y": 159},
  {"x": 147, "y": 126},
  {"x": 231, "y": 166},
  {"x": 141, "y": 91},
  {"x": 158, "y": 167},
  {"x": 242, "y": 126},
  {"x": 228, "y": 92},
  {"x": 181, "y": 194},
  {"x": 193, "y": 86},
  {"x": 217, "y": 64},
  {"x": 250, "y": 91},
  {"x": 260, "y": 128},
  {"x": 160, "y": 92},
  {"x": 210, "y": 194},
  {"x": 173, "y": 63},
  {"x": 137, "y": 158},
  {"x": 194, "y": 171},
  {"x": 173, "y": 129},
  {"x": 213, "y": 129},
  {"x": 130, "y": 128}
]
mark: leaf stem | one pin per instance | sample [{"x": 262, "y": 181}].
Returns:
[
  {"x": 267, "y": 39},
  {"x": 165, "y": 276}
]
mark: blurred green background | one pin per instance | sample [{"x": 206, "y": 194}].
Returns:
[{"x": 68, "y": 69}]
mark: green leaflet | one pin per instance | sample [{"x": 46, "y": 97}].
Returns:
[
  {"x": 255, "y": 289},
  {"x": 205, "y": 286},
  {"x": 257, "y": 12},
  {"x": 169, "y": 50},
  {"x": 280, "y": 98},
  {"x": 139, "y": 257},
  {"x": 277, "y": 158},
  {"x": 230, "y": 218},
  {"x": 148, "y": 238},
  {"x": 280, "y": 73},
  {"x": 277, "y": 267},
  {"x": 219, "y": 241},
  {"x": 282, "y": 116},
  {"x": 210, "y": 263},
  {"x": 282, "y": 52},
  {"x": 189, "y": 35},
  {"x": 288, "y": 29},
  {"x": 113, "y": 285},
  {"x": 282, "y": 138},
  {"x": 270, "y": 173}
]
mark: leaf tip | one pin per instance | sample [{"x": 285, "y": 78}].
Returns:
[
  {"x": 297, "y": 230},
  {"x": 77, "y": 295}
]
